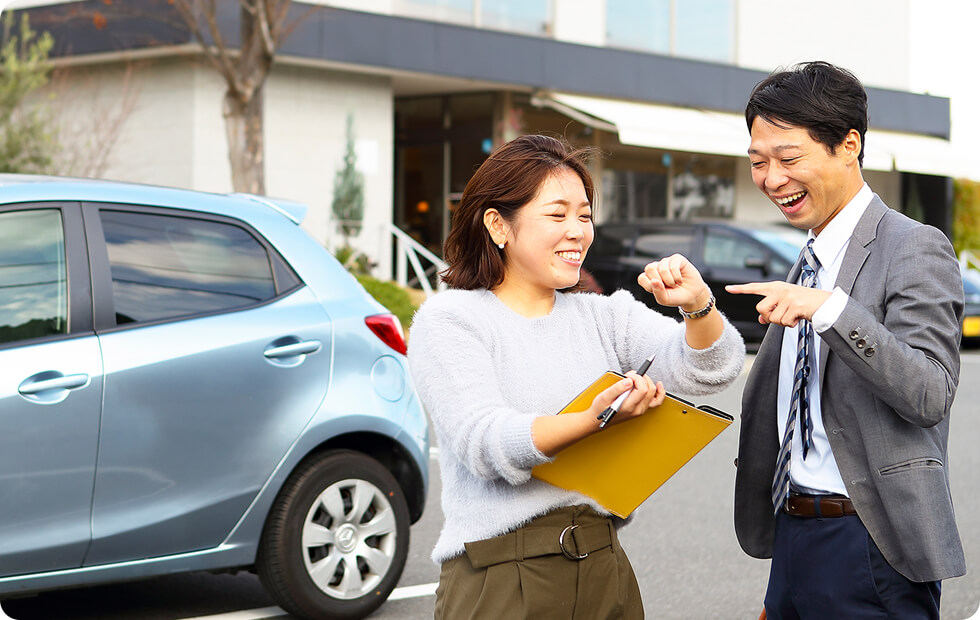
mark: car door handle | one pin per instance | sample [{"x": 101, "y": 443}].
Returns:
[
  {"x": 35, "y": 384},
  {"x": 291, "y": 350}
]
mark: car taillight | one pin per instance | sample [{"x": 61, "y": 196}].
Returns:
[{"x": 389, "y": 329}]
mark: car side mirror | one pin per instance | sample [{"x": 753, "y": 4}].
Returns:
[{"x": 755, "y": 262}]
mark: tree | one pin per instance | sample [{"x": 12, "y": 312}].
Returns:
[
  {"x": 262, "y": 29},
  {"x": 25, "y": 142},
  {"x": 348, "y": 190}
]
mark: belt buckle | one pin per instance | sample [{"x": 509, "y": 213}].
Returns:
[{"x": 561, "y": 544}]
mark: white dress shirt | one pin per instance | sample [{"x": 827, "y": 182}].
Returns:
[{"x": 818, "y": 473}]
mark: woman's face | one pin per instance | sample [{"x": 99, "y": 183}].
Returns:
[{"x": 549, "y": 236}]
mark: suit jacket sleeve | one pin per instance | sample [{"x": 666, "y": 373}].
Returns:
[{"x": 901, "y": 334}]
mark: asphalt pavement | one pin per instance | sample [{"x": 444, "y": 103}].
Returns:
[{"x": 681, "y": 543}]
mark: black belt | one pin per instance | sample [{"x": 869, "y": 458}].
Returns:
[{"x": 823, "y": 506}]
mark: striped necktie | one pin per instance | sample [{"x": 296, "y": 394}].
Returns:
[{"x": 799, "y": 406}]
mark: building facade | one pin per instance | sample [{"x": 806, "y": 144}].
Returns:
[{"x": 657, "y": 87}]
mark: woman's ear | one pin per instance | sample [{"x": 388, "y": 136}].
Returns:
[{"x": 496, "y": 226}]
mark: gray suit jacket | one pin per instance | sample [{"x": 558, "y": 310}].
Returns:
[{"x": 889, "y": 368}]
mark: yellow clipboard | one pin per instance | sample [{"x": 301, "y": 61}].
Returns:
[{"x": 624, "y": 464}]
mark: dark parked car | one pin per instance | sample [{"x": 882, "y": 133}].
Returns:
[
  {"x": 725, "y": 252},
  {"x": 191, "y": 382}
]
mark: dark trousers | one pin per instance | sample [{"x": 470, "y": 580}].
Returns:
[{"x": 831, "y": 568}]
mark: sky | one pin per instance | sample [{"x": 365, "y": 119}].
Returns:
[{"x": 945, "y": 52}]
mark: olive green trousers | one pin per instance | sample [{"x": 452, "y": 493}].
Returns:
[{"x": 565, "y": 565}]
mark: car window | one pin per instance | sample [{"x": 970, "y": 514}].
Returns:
[
  {"x": 723, "y": 248},
  {"x": 33, "y": 280},
  {"x": 612, "y": 241},
  {"x": 165, "y": 266},
  {"x": 786, "y": 244},
  {"x": 660, "y": 242}
]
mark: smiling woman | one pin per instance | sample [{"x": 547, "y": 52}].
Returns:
[{"x": 512, "y": 342}]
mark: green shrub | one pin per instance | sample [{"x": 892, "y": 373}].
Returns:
[
  {"x": 391, "y": 296},
  {"x": 966, "y": 215}
]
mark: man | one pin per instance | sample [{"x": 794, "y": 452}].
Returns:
[{"x": 842, "y": 473}]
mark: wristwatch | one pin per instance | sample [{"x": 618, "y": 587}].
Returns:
[{"x": 697, "y": 314}]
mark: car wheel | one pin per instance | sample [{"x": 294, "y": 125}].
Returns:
[{"x": 336, "y": 540}]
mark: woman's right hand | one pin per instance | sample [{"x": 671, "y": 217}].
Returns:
[
  {"x": 644, "y": 395},
  {"x": 553, "y": 433}
]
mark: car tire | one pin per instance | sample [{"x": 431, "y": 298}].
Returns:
[{"x": 336, "y": 539}]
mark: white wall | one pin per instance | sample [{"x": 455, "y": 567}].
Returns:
[
  {"x": 580, "y": 21},
  {"x": 211, "y": 168},
  {"x": 868, "y": 37},
  {"x": 149, "y": 105},
  {"x": 174, "y": 135},
  {"x": 305, "y": 122}
]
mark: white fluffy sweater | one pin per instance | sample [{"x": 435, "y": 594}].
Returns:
[{"x": 484, "y": 373}]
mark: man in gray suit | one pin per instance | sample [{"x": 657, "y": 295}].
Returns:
[{"x": 842, "y": 472}]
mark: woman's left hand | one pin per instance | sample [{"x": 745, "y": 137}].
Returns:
[{"x": 674, "y": 281}]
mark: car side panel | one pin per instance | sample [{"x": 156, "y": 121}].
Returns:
[
  {"x": 47, "y": 456},
  {"x": 187, "y": 439}
]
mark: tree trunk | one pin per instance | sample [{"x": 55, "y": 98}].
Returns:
[{"x": 243, "y": 125}]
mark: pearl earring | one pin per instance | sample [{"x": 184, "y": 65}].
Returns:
[{"x": 500, "y": 245}]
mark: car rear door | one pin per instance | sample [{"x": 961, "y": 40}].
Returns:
[
  {"x": 50, "y": 389},
  {"x": 731, "y": 257},
  {"x": 216, "y": 357}
]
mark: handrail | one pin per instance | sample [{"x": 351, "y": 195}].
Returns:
[
  {"x": 408, "y": 250},
  {"x": 968, "y": 258}
]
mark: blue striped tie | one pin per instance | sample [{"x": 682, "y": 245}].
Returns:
[{"x": 799, "y": 402}]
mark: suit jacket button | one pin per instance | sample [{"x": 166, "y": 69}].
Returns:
[
  {"x": 854, "y": 334},
  {"x": 860, "y": 343},
  {"x": 870, "y": 351}
]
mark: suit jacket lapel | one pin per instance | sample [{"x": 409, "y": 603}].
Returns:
[{"x": 857, "y": 252}]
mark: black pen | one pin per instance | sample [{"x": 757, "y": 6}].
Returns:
[{"x": 613, "y": 409}]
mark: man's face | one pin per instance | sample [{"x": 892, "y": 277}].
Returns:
[{"x": 800, "y": 176}]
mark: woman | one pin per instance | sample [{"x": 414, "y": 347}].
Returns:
[{"x": 508, "y": 346}]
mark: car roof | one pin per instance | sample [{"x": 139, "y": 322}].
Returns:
[{"x": 18, "y": 188}]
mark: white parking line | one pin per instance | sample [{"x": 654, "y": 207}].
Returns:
[
  {"x": 247, "y": 614},
  {"x": 398, "y": 594},
  {"x": 424, "y": 589}
]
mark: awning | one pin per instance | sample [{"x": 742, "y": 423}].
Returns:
[{"x": 703, "y": 131}]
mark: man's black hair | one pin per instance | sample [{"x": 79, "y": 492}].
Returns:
[{"x": 826, "y": 100}]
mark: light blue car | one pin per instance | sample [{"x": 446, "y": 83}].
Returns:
[{"x": 189, "y": 382}]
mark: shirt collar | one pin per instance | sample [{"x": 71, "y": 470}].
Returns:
[{"x": 834, "y": 237}]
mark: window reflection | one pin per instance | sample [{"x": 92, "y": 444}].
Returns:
[
  {"x": 530, "y": 16},
  {"x": 702, "y": 29},
  {"x": 629, "y": 195},
  {"x": 166, "y": 266},
  {"x": 639, "y": 24},
  {"x": 527, "y": 16},
  {"x": 33, "y": 283}
]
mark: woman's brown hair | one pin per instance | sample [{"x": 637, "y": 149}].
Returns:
[{"x": 509, "y": 179}]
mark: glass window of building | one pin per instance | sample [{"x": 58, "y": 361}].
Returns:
[
  {"x": 629, "y": 195},
  {"x": 452, "y": 11},
  {"x": 524, "y": 16},
  {"x": 703, "y": 29},
  {"x": 639, "y": 24},
  {"x": 702, "y": 186},
  {"x": 527, "y": 16}
]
